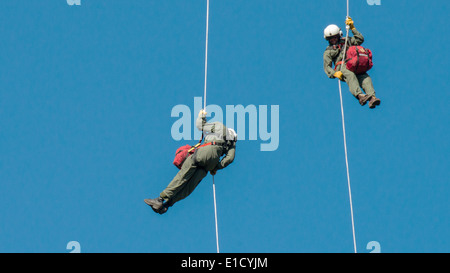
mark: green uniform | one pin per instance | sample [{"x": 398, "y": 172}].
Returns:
[
  {"x": 207, "y": 158},
  {"x": 334, "y": 54}
]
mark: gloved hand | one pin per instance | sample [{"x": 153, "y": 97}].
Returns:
[
  {"x": 202, "y": 114},
  {"x": 349, "y": 22},
  {"x": 213, "y": 172},
  {"x": 339, "y": 75}
]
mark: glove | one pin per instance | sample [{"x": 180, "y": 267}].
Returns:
[
  {"x": 349, "y": 22},
  {"x": 339, "y": 75},
  {"x": 202, "y": 114},
  {"x": 213, "y": 172}
]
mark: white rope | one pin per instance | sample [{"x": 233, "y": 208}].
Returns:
[
  {"x": 348, "y": 9},
  {"x": 204, "y": 108},
  {"x": 348, "y": 174},
  {"x": 206, "y": 53},
  {"x": 345, "y": 139},
  {"x": 215, "y": 213}
]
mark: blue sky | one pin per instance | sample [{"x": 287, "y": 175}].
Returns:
[{"x": 86, "y": 94}]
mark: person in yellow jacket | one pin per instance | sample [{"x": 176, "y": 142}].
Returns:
[
  {"x": 218, "y": 154},
  {"x": 334, "y": 55}
]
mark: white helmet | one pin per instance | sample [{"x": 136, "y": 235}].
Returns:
[
  {"x": 332, "y": 30},
  {"x": 231, "y": 135}
]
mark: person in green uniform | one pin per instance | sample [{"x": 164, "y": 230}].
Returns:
[
  {"x": 218, "y": 154},
  {"x": 334, "y": 54}
]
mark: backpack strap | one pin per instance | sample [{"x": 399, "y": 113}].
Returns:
[
  {"x": 198, "y": 145},
  {"x": 357, "y": 58}
]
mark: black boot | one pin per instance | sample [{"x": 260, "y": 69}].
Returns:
[
  {"x": 156, "y": 204},
  {"x": 166, "y": 206},
  {"x": 163, "y": 209}
]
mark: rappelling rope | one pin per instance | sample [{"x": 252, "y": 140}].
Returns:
[
  {"x": 345, "y": 139},
  {"x": 215, "y": 213},
  {"x": 206, "y": 53},
  {"x": 204, "y": 108}
]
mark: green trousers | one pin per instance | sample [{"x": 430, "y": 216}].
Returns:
[
  {"x": 356, "y": 82},
  {"x": 194, "y": 169}
]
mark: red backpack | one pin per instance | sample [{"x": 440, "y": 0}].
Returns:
[
  {"x": 359, "y": 59},
  {"x": 185, "y": 151}
]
